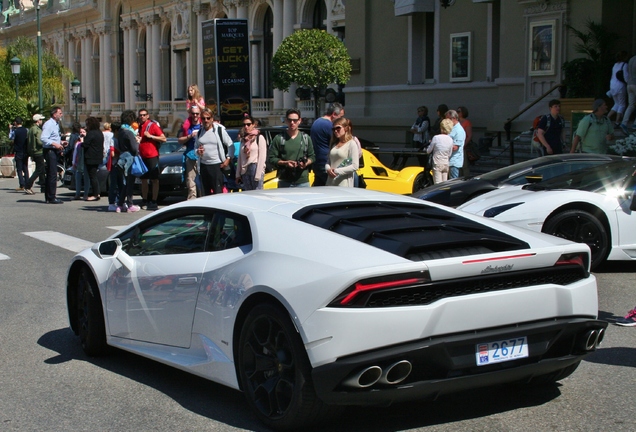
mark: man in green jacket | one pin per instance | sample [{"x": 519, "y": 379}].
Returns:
[
  {"x": 292, "y": 152},
  {"x": 34, "y": 150}
]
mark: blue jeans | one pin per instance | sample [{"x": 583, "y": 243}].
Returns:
[
  {"x": 22, "y": 168},
  {"x": 114, "y": 184},
  {"x": 453, "y": 172},
  {"x": 81, "y": 182}
]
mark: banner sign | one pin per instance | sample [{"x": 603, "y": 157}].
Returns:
[{"x": 226, "y": 69}]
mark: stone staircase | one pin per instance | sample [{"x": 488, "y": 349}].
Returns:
[{"x": 498, "y": 156}]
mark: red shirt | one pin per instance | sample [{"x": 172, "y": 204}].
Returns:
[{"x": 149, "y": 148}]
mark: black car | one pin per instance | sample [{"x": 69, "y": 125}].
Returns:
[
  {"x": 171, "y": 170},
  {"x": 460, "y": 190}
]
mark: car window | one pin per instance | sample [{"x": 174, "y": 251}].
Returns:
[
  {"x": 229, "y": 231},
  {"x": 549, "y": 171},
  {"x": 179, "y": 235}
]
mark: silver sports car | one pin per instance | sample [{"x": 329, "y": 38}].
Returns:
[{"x": 310, "y": 299}]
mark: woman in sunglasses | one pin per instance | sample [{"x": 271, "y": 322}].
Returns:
[
  {"x": 252, "y": 155},
  {"x": 343, "y": 156}
]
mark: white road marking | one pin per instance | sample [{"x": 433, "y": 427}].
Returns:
[
  {"x": 117, "y": 228},
  {"x": 64, "y": 241},
  {"x": 4, "y": 257}
]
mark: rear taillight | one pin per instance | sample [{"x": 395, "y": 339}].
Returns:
[
  {"x": 580, "y": 258},
  {"x": 358, "y": 294}
]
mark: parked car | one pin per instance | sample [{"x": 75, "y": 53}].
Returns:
[
  {"x": 171, "y": 182},
  {"x": 457, "y": 191},
  {"x": 375, "y": 298},
  {"x": 590, "y": 206},
  {"x": 376, "y": 176}
]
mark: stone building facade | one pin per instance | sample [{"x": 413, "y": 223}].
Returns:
[{"x": 496, "y": 57}]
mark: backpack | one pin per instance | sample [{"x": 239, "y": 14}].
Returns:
[
  {"x": 535, "y": 126},
  {"x": 620, "y": 75}
]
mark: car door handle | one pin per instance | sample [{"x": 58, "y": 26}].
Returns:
[{"x": 188, "y": 280}]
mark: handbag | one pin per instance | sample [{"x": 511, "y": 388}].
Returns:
[{"x": 138, "y": 167}]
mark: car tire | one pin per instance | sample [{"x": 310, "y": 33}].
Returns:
[
  {"x": 274, "y": 371},
  {"x": 421, "y": 181},
  {"x": 581, "y": 227},
  {"x": 90, "y": 316}
]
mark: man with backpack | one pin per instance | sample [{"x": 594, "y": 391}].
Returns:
[
  {"x": 594, "y": 130},
  {"x": 292, "y": 153},
  {"x": 550, "y": 132}
]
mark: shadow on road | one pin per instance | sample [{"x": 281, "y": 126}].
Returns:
[{"x": 228, "y": 406}]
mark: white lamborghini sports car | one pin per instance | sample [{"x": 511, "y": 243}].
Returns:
[
  {"x": 310, "y": 299},
  {"x": 590, "y": 206}
]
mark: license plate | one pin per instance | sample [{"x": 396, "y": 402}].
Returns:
[
  {"x": 67, "y": 177},
  {"x": 501, "y": 351},
  {"x": 137, "y": 180}
]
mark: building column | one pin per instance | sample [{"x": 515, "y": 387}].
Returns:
[
  {"x": 241, "y": 9},
  {"x": 70, "y": 42},
  {"x": 155, "y": 62},
  {"x": 107, "y": 61},
  {"x": 277, "y": 39},
  {"x": 289, "y": 19},
  {"x": 133, "y": 65},
  {"x": 87, "y": 67},
  {"x": 255, "y": 58}
]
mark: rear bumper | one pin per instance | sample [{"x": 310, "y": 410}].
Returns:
[{"x": 447, "y": 364}]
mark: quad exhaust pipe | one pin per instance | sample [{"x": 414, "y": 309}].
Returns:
[{"x": 390, "y": 375}]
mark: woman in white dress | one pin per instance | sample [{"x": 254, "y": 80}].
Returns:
[
  {"x": 441, "y": 146},
  {"x": 343, "y": 156}
]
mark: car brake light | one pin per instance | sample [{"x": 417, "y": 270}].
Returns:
[
  {"x": 580, "y": 259},
  {"x": 354, "y": 295}
]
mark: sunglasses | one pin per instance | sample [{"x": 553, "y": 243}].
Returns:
[
  {"x": 293, "y": 120},
  {"x": 206, "y": 118},
  {"x": 196, "y": 113},
  {"x": 247, "y": 124},
  {"x": 337, "y": 128}
]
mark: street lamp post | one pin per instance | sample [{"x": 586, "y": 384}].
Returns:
[
  {"x": 39, "y": 38},
  {"x": 15, "y": 69},
  {"x": 75, "y": 88},
  {"x": 146, "y": 96}
]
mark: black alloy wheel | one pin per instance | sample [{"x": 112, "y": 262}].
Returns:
[
  {"x": 90, "y": 316},
  {"x": 274, "y": 370},
  {"x": 581, "y": 227}
]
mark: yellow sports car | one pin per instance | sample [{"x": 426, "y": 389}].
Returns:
[{"x": 376, "y": 175}]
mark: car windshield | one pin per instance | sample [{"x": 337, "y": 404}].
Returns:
[
  {"x": 510, "y": 171},
  {"x": 592, "y": 179}
]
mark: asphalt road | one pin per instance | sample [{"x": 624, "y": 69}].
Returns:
[{"x": 48, "y": 384}]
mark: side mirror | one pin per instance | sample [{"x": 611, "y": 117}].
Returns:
[{"x": 112, "y": 249}]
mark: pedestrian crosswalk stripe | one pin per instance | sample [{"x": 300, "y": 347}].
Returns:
[
  {"x": 64, "y": 241},
  {"x": 3, "y": 257}
]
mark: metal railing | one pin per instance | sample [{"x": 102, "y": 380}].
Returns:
[{"x": 508, "y": 123}]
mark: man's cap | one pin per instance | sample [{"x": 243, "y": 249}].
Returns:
[
  {"x": 37, "y": 117},
  {"x": 597, "y": 104}
]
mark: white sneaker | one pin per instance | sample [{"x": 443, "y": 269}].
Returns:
[
  {"x": 112, "y": 207},
  {"x": 133, "y": 208}
]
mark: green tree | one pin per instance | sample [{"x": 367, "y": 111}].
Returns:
[
  {"x": 589, "y": 76},
  {"x": 311, "y": 58},
  {"x": 53, "y": 77}
]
